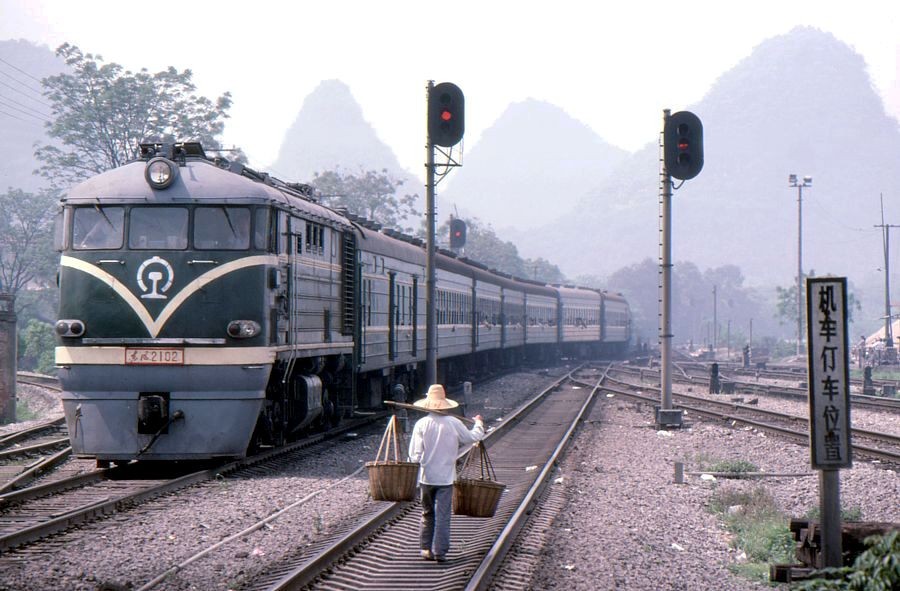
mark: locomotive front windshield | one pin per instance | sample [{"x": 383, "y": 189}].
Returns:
[
  {"x": 98, "y": 227},
  {"x": 168, "y": 228},
  {"x": 158, "y": 228},
  {"x": 222, "y": 228}
]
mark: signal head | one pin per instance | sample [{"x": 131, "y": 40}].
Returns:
[
  {"x": 683, "y": 145},
  {"x": 446, "y": 114}
]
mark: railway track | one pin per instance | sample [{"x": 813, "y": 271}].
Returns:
[
  {"x": 380, "y": 549},
  {"x": 36, "y": 512},
  {"x": 38, "y": 379},
  {"x": 887, "y": 450},
  {"x": 692, "y": 373},
  {"x": 28, "y": 453}
]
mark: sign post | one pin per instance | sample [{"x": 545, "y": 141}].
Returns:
[{"x": 829, "y": 401}]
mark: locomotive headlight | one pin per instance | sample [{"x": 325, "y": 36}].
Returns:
[
  {"x": 160, "y": 172},
  {"x": 243, "y": 329},
  {"x": 69, "y": 328}
]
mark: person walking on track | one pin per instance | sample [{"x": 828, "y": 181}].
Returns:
[{"x": 435, "y": 443}]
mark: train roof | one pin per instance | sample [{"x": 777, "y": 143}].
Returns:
[
  {"x": 377, "y": 242},
  {"x": 578, "y": 292},
  {"x": 198, "y": 180},
  {"x": 614, "y": 296}
]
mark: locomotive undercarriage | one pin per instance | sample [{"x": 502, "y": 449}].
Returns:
[{"x": 302, "y": 396}]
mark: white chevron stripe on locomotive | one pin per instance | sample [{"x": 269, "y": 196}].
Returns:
[
  {"x": 154, "y": 326},
  {"x": 106, "y": 355}
]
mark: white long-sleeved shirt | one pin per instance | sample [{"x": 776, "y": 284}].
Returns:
[{"x": 435, "y": 443}]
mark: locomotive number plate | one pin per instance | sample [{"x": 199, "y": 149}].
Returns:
[{"x": 134, "y": 356}]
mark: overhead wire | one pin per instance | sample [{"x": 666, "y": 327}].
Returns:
[
  {"x": 26, "y": 86},
  {"x": 38, "y": 116},
  {"x": 16, "y": 109},
  {"x": 20, "y": 70},
  {"x": 45, "y": 116}
]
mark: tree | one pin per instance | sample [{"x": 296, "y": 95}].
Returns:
[
  {"x": 543, "y": 270},
  {"x": 37, "y": 347},
  {"x": 639, "y": 284},
  {"x": 370, "y": 194},
  {"x": 786, "y": 303},
  {"x": 484, "y": 246},
  {"x": 102, "y": 113},
  {"x": 26, "y": 239}
]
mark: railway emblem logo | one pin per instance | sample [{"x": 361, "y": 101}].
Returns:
[
  {"x": 155, "y": 269},
  {"x": 158, "y": 274}
]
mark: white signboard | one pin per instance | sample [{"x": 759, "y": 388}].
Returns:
[{"x": 829, "y": 372}]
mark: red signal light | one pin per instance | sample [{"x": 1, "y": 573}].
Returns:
[
  {"x": 446, "y": 115},
  {"x": 683, "y": 145}
]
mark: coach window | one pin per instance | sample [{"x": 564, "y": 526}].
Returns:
[
  {"x": 98, "y": 227},
  {"x": 222, "y": 228},
  {"x": 157, "y": 228}
]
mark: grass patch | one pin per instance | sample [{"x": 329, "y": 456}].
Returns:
[
  {"x": 23, "y": 412},
  {"x": 847, "y": 514},
  {"x": 759, "y": 528},
  {"x": 733, "y": 467}
]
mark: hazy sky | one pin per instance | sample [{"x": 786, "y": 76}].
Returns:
[{"x": 613, "y": 66}]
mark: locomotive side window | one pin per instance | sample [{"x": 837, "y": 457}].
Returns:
[
  {"x": 98, "y": 227},
  {"x": 60, "y": 224},
  {"x": 315, "y": 239},
  {"x": 222, "y": 228},
  {"x": 261, "y": 229},
  {"x": 158, "y": 228}
]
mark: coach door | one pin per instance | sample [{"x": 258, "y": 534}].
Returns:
[{"x": 392, "y": 315}]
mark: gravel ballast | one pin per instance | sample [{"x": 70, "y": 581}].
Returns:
[
  {"x": 629, "y": 526},
  {"x": 626, "y": 526}
]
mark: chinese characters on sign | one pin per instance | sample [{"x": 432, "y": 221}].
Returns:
[{"x": 829, "y": 380}]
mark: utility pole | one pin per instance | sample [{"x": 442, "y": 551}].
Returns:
[
  {"x": 682, "y": 159},
  {"x": 794, "y": 182},
  {"x": 890, "y": 353},
  {"x": 665, "y": 291},
  {"x": 715, "y": 338},
  {"x": 430, "y": 285},
  {"x": 445, "y": 126}
]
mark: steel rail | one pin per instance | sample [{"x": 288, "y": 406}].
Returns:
[
  {"x": 7, "y": 454},
  {"x": 35, "y": 470},
  {"x": 92, "y": 511},
  {"x": 482, "y": 576},
  {"x": 310, "y": 568},
  {"x": 15, "y": 436},
  {"x": 799, "y": 435}
]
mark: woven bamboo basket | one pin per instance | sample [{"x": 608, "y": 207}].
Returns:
[
  {"x": 477, "y": 497},
  {"x": 392, "y": 479}
]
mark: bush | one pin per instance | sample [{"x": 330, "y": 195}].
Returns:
[
  {"x": 37, "y": 348},
  {"x": 734, "y": 467},
  {"x": 23, "y": 412},
  {"x": 876, "y": 569}
]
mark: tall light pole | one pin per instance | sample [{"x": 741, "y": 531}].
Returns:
[
  {"x": 794, "y": 182},
  {"x": 890, "y": 353}
]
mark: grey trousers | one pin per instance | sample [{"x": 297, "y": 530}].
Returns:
[{"x": 437, "y": 504}]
